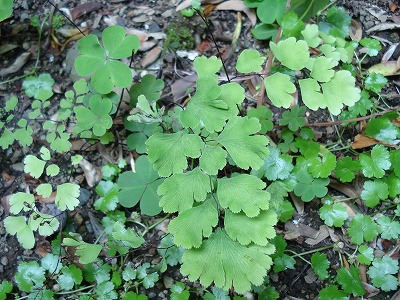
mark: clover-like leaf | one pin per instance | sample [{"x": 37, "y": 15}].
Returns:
[
  {"x": 333, "y": 215},
  {"x": 291, "y": 24},
  {"x": 140, "y": 186},
  {"x": 108, "y": 192},
  {"x": 284, "y": 50},
  {"x": 149, "y": 86},
  {"x": 383, "y": 273},
  {"x": 245, "y": 230},
  {"x": 67, "y": 196},
  {"x": 249, "y": 61},
  {"x": 308, "y": 187},
  {"x": 295, "y": 118},
  {"x": 382, "y": 129},
  {"x": 190, "y": 226},
  {"x": 374, "y": 165},
  {"x": 362, "y": 228},
  {"x": 243, "y": 192},
  {"x": 264, "y": 31},
  {"x": 95, "y": 117},
  {"x": 239, "y": 267},
  {"x": 279, "y": 89},
  {"x": 179, "y": 191}
]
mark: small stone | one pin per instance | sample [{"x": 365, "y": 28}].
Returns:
[
  {"x": 151, "y": 295},
  {"x": 168, "y": 282},
  {"x": 4, "y": 260},
  {"x": 161, "y": 295}
]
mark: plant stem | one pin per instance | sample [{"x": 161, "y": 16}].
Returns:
[
  {"x": 155, "y": 224},
  {"x": 310, "y": 251}
]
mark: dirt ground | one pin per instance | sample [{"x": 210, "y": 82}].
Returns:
[{"x": 151, "y": 18}]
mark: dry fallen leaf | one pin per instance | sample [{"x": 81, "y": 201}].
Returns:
[
  {"x": 323, "y": 233},
  {"x": 362, "y": 141},
  {"x": 389, "y": 68},
  {"x": 388, "y": 54},
  {"x": 16, "y": 66},
  {"x": 151, "y": 56},
  {"x": 92, "y": 173},
  {"x": 238, "y": 5},
  {"x": 355, "y": 30},
  {"x": 85, "y": 8},
  {"x": 383, "y": 26}
]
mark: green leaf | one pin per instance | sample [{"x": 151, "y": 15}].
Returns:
[
  {"x": 129, "y": 273},
  {"x": 18, "y": 226},
  {"x": 320, "y": 265},
  {"x": 389, "y": 229},
  {"x": 179, "y": 292},
  {"x": 374, "y": 82},
  {"x": 96, "y": 117},
  {"x": 246, "y": 150},
  {"x": 350, "y": 280},
  {"x": 51, "y": 263},
  {"x": 382, "y": 273},
  {"x": 264, "y": 31},
  {"x": 107, "y": 72},
  {"x": 213, "y": 158},
  {"x": 52, "y": 170},
  {"x": 212, "y": 105},
  {"x": 108, "y": 192},
  {"x": 134, "y": 296},
  {"x": 279, "y": 89},
  {"x": 346, "y": 169},
  {"x": 87, "y": 253},
  {"x": 137, "y": 140},
  {"x": 249, "y": 61},
  {"x": 311, "y": 94},
  {"x": 70, "y": 276},
  {"x": 373, "y": 191},
  {"x": 291, "y": 25},
  {"x": 283, "y": 262},
  {"x": 332, "y": 292},
  {"x": 179, "y": 191},
  {"x": 362, "y": 228},
  {"x": 29, "y": 275},
  {"x": 168, "y": 152},
  {"x": 190, "y": 226},
  {"x": 361, "y": 107},
  {"x": 395, "y": 161},
  {"x": 308, "y": 187},
  {"x": 393, "y": 183},
  {"x": 21, "y": 201},
  {"x": 276, "y": 166},
  {"x": 366, "y": 255},
  {"x": 310, "y": 35},
  {"x": 333, "y": 215},
  {"x": 284, "y": 50},
  {"x": 46, "y": 224},
  {"x": 245, "y": 230},
  {"x": 337, "y": 23},
  {"x": 382, "y": 129},
  {"x": 150, "y": 280},
  {"x": 67, "y": 196},
  {"x": 6, "y": 138},
  {"x": 376, "y": 164},
  {"x": 270, "y": 11},
  {"x": 105, "y": 291},
  {"x": 6, "y": 9},
  {"x": 243, "y": 192},
  {"x": 306, "y": 9},
  {"x": 5, "y": 288},
  {"x": 169, "y": 251},
  {"x": 264, "y": 116},
  {"x": 295, "y": 118},
  {"x": 140, "y": 186},
  {"x": 321, "y": 68},
  {"x": 40, "y": 87},
  {"x": 127, "y": 236},
  {"x": 340, "y": 90},
  {"x": 373, "y": 46},
  {"x": 34, "y": 166},
  {"x": 242, "y": 265}
]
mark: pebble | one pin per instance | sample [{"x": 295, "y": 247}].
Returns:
[
  {"x": 168, "y": 282},
  {"x": 4, "y": 260},
  {"x": 151, "y": 295},
  {"x": 84, "y": 196}
]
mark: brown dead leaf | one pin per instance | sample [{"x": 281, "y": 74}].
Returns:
[
  {"x": 48, "y": 200},
  {"x": 85, "y": 8},
  {"x": 298, "y": 203},
  {"x": 344, "y": 188},
  {"x": 294, "y": 231},
  {"x": 371, "y": 290},
  {"x": 238, "y": 5},
  {"x": 389, "y": 52},
  {"x": 389, "y": 68},
  {"x": 5, "y": 202},
  {"x": 362, "y": 141},
  {"x": 323, "y": 233},
  {"x": 392, "y": 6},
  {"x": 151, "y": 56},
  {"x": 182, "y": 86},
  {"x": 383, "y": 27},
  {"x": 355, "y": 30},
  {"x": 92, "y": 173}
]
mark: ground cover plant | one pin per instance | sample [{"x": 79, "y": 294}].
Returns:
[{"x": 224, "y": 173}]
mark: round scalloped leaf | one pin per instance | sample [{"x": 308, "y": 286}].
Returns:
[
  {"x": 321, "y": 68},
  {"x": 270, "y": 11},
  {"x": 285, "y": 49},
  {"x": 243, "y": 192},
  {"x": 279, "y": 89},
  {"x": 21, "y": 201},
  {"x": 40, "y": 87},
  {"x": 227, "y": 263},
  {"x": 52, "y": 170},
  {"x": 207, "y": 66},
  {"x": 249, "y": 61},
  {"x": 117, "y": 44},
  {"x": 193, "y": 224},
  {"x": 67, "y": 196},
  {"x": 29, "y": 274},
  {"x": 180, "y": 190},
  {"x": 310, "y": 34},
  {"x": 247, "y": 230},
  {"x": 34, "y": 166}
]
